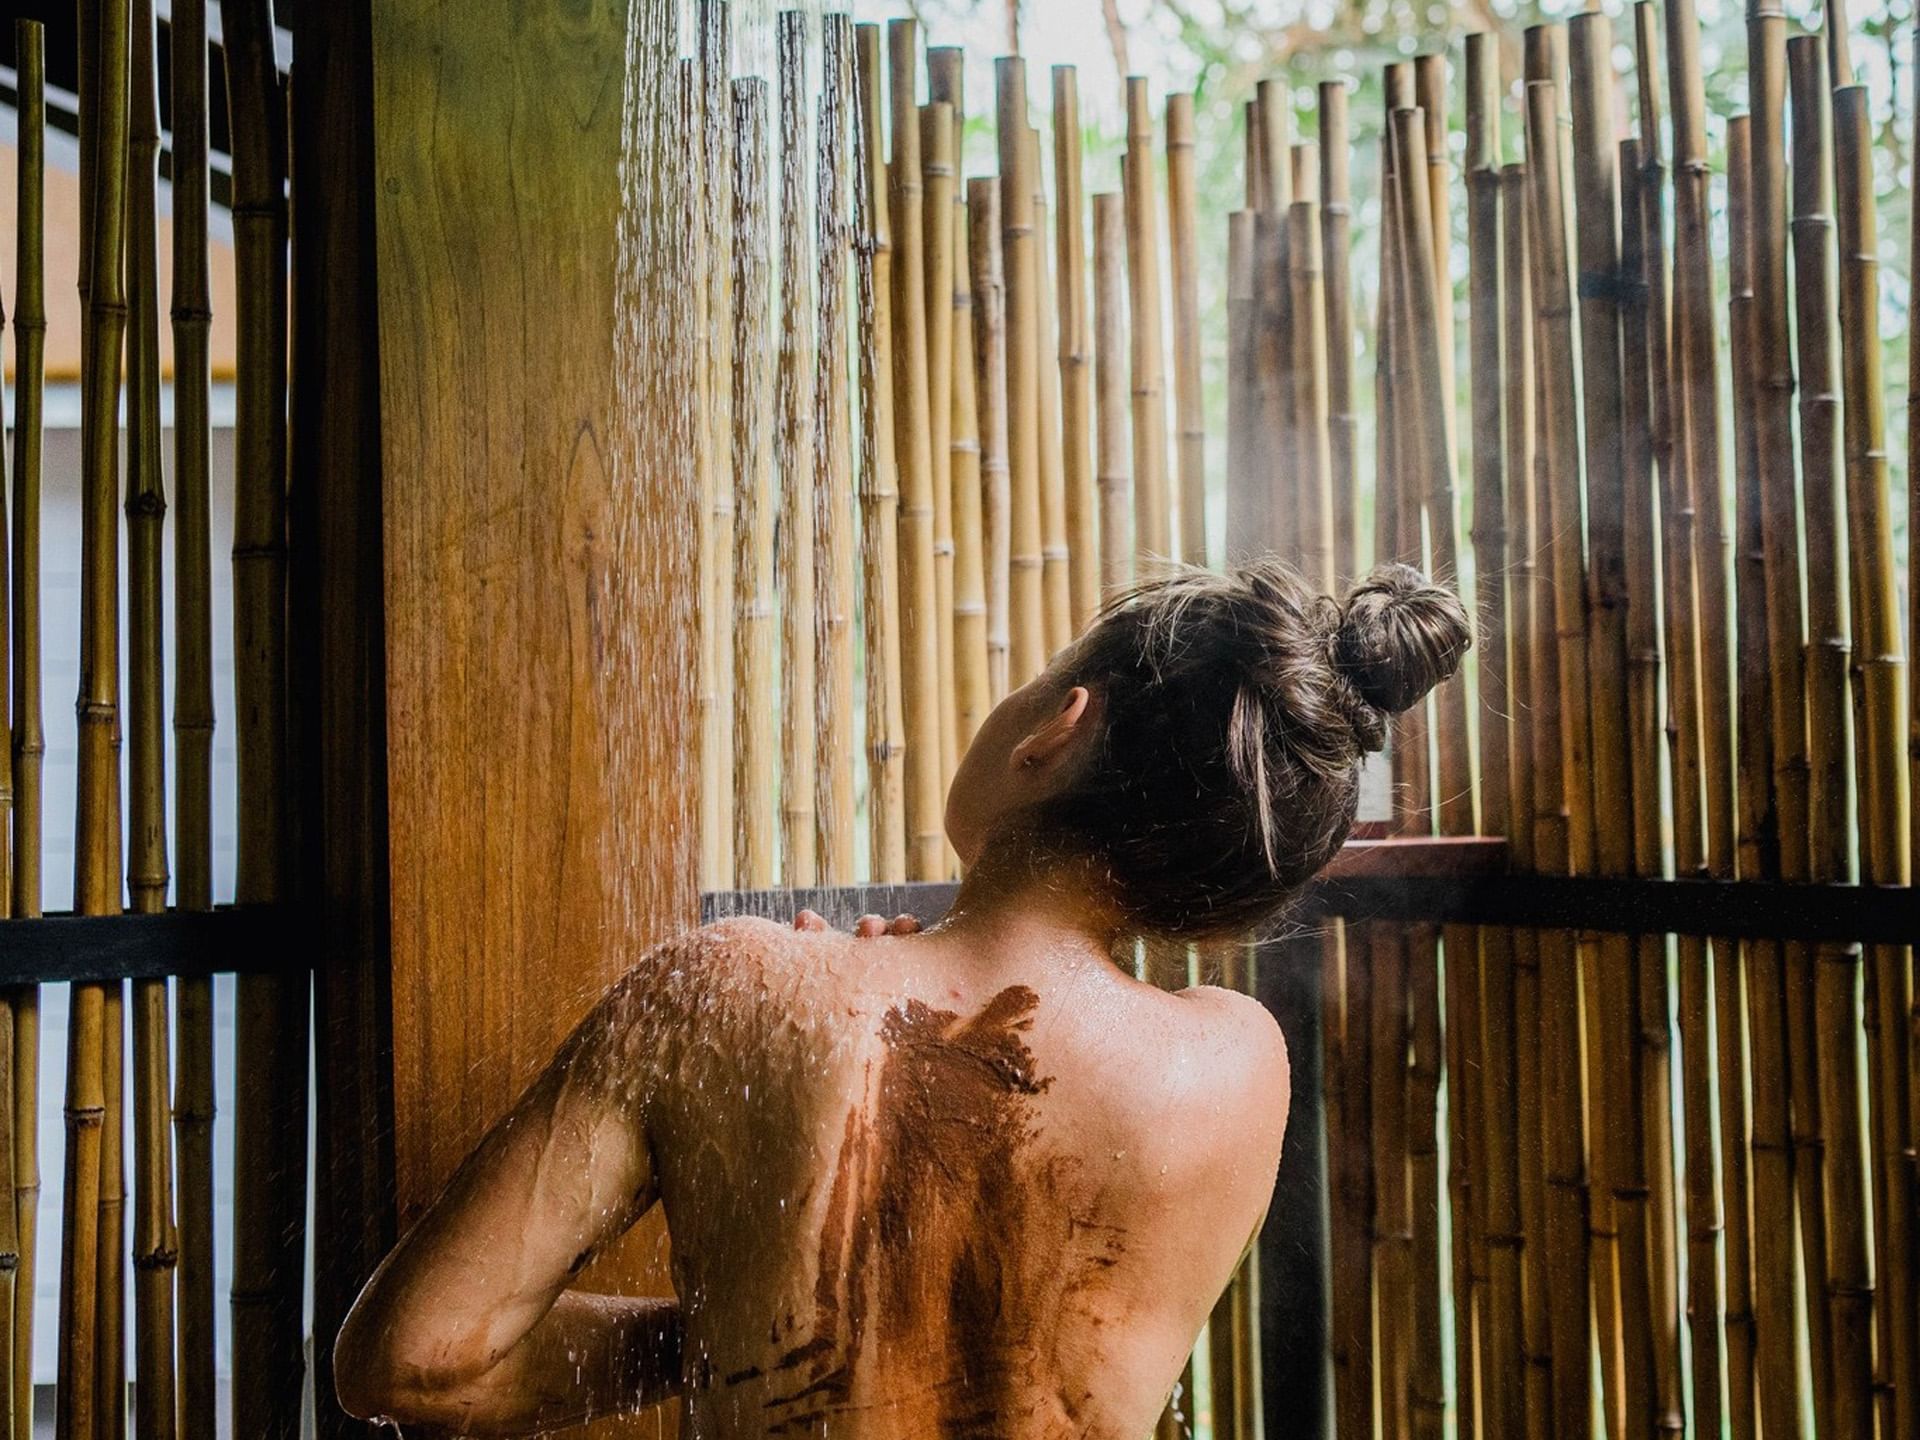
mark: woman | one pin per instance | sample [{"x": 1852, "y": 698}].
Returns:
[{"x": 976, "y": 1182}]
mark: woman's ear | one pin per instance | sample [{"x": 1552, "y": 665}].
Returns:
[{"x": 1053, "y": 739}]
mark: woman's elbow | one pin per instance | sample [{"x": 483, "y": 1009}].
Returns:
[{"x": 382, "y": 1371}]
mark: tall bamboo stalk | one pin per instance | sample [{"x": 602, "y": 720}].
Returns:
[
  {"x": 1885, "y": 822},
  {"x": 1697, "y": 419},
  {"x": 1524, "y": 618},
  {"x": 1055, "y": 580},
  {"x": 9, "y": 1234},
  {"x": 1336, "y": 224},
  {"x": 796, "y": 412},
  {"x": 1076, "y": 350},
  {"x": 1268, "y": 520},
  {"x": 879, "y": 490},
  {"x": 1153, "y": 512},
  {"x": 87, "y": 1317},
  {"x": 1274, "y": 357},
  {"x": 990, "y": 369},
  {"x": 1619, "y": 1230},
  {"x": 940, "y": 176},
  {"x": 1190, "y": 427},
  {"x": 755, "y": 625},
  {"x": 714, "y": 462},
  {"x": 1785, "y": 1111},
  {"x": 919, "y": 625},
  {"x": 834, "y": 583},
  {"x": 1114, "y": 476},
  {"x": 27, "y": 734},
  {"x": 1648, "y": 179},
  {"x": 1393, "y": 1217},
  {"x": 1430, "y": 94},
  {"x": 1315, "y": 475},
  {"x": 155, "y": 1243},
  {"x": 1647, "y": 1167},
  {"x": 1019, "y": 263},
  {"x": 271, "y": 1021},
  {"x": 1561, "y": 753},
  {"x": 1502, "y": 1348},
  {"x": 973, "y": 688},
  {"x": 1242, "y": 394},
  {"x": 1841, "y": 1297},
  {"x": 1428, "y": 477},
  {"x": 1734, "y": 964}
]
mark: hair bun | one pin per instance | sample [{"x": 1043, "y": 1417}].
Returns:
[{"x": 1399, "y": 637}]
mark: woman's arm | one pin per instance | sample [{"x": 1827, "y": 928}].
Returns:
[{"x": 469, "y": 1325}]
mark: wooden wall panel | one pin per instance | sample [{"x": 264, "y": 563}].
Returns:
[{"x": 496, "y": 143}]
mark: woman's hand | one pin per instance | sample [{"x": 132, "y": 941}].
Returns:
[{"x": 869, "y": 927}]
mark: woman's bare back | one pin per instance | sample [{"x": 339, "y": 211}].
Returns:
[{"x": 917, "y": 1187}]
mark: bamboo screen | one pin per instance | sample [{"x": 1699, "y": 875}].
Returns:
[
  {"x": 143, "y": 837},
  {"x": 1581, "y": 1183}
]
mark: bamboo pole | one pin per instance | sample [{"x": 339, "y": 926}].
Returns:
[
  {"x": 919, "y": 625},
  {"x": 155, "y": 1243},
  {"x": 1393, "y": 1217},
  {"x": 1315, "y": 475},
  {"x": 110, "y": 1344},
  {"x": 1697, "y": 418},
  {"x": 1115, "y": 476},
  {"x": 1561, "y": 754},
  {"x": 1190, "y": 427},
  {"x": 9, "y": 1234},
  {"x": 89, "y": 1216},
  {"x": 1387, "y": 949},
  {"x": 1025, "y": 605},
  {"x": 973, "y": 693},
  {"x": 1799, "y": 1129},
  {"x": 1502, "y": 1351},
  {"x": 1840, "y": 1296},
  {"x": 1428, "y": 476},
  {"x": 1018, "y": 242},
  {"x": 28, "y": 737},
  {"x": 1343, "y": 425},
  {"x": 1276, "y": 458},
  {"x": 1646, "y": 1196},
  {"x": 1269, "y": 521},
  {"x": 1523, "y": 619},
  {"x": 1076, "y": 351},
  {"x": 1055, "y": 577},
  {"x": 879, "y": 490},
  {"x": 1430, "y": 94},
  {"x": 1153, "y": 513},
  {"x": 714, "y": 462},
  {"x": 1243, "y": 399},
  {"x": 834, "y": 584},
  {"x": 1750, "y": 995},
  {"x": 1647, "y": 179},
  {"x": 940, "y": 174},
  {"x": 1616, "y": 1104},
  {"x": 796, "y": 407},
  {"x": 990, "y": 368},
  {"x": 1885, "y": 820},
  {"x": 755, "y": 624},
  {"x": 271, "y": 1018}
]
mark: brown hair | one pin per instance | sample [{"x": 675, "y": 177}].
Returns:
[{"x": 1237, "y": 710}]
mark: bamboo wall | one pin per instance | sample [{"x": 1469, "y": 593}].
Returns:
[
  {"x": 1580, "y": 1183},
  {"x": 143, "y": 837}
]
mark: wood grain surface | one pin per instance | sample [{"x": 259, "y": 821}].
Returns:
[{"x": 497, "y": 133}]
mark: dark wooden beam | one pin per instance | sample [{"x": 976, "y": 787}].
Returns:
[{"x": 67, "y": 949}]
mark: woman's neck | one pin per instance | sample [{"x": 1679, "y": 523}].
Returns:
[{"x": 1014, "y": 895}]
